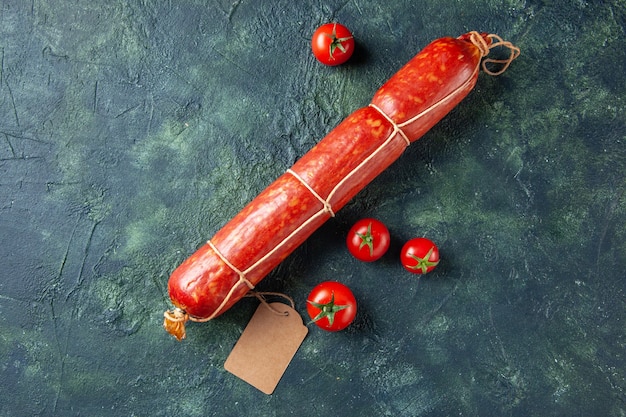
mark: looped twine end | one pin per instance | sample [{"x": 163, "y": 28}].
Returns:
[
  {"x": 174, "y": 322},
  {"x": 485, "y": 46}
]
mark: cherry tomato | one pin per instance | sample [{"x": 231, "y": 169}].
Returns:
[
  {"x": 368, "y": 240},
  {"x": 332, "y": 44},
  {"x": 331, "y": 305},
  {"x": 419, "y": 255}
]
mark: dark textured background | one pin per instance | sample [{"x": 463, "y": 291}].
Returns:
[{"x": 131, "y": 131}]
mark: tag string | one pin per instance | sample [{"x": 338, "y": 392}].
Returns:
[
  {"x": 175, "y": 319},
  {"x": 262, "y": 297}
]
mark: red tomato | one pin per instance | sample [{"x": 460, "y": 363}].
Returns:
[
  {"x": 332, "y": 44},
  {"x": 331, "y": 305},
  {"x": 368, "y": 240},
  {"x": 419, "y": 255}
]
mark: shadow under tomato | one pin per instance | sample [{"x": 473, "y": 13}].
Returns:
[
  {"x": 360, "y": 54},
  {"x": 363, "y": 324}
]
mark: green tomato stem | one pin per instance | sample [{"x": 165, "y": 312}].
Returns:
[
  {"x": 367, "y": 239},
  {"x": 423, "y": 263},
  {"x": 336, "y": 43},
  {"x": 327, "y": 310}
]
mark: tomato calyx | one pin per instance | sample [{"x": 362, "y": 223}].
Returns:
[
  {"x": 332, "y": 44},
  {"x": 336, "y": 43},
  {"x": 327, "y": 310},
  {"x": 423, "y": 263},
  {"x": 367, "y": 239}
]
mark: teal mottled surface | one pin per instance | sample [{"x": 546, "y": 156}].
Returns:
[{"x": 130, "y": 132}]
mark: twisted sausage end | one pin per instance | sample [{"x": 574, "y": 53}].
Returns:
[{"x": 174, "y": 323}]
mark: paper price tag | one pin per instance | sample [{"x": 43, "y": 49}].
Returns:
[{"x": 266, "y": 346}]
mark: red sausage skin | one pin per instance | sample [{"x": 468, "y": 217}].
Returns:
[{"x": 290, "y": 209}]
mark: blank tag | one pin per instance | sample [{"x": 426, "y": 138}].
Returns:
[{"x": 266, "y": 346}]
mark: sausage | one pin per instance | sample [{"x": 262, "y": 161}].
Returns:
[{"x": 289, "y": 210}]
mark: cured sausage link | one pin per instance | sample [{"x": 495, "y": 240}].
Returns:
[
  {"x": 297, "y": 203},
  {"x": 283, "y": 215}
]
